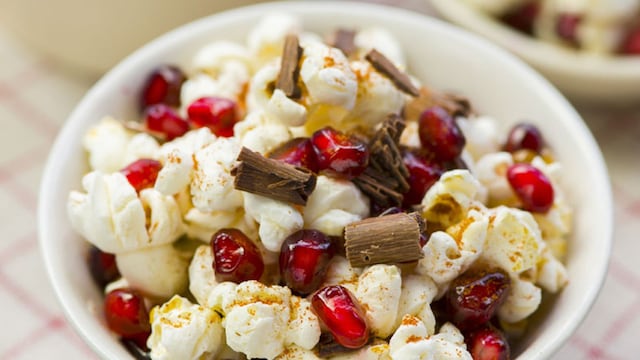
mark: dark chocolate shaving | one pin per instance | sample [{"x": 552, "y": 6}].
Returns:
[
  {"x": 272, "y": 178},
  {"x": 290, "y": 67},
  {"x": 385, "y": 179},
  {"x": 386, "y": 67},
  {"x": 344, "y": 39}
]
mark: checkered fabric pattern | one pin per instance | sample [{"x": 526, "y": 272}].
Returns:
[{"x": 36, "y": 97}]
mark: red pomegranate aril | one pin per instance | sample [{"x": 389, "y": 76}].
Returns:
[
  {"x": 216, "y": 113},
  {"x": 102, "y": 266},
  {"x": 474, "y": 297},
  {"x": 423, "y": 173},
  {"x": 567, "y": 27},
  {"x": 304, "y": 259},
  {"x": 631, "y": 43},
  {"x": 297, "y": 152},
  {"x": 340, "y": 153},
  {"x": 126, "y": 314},
  {"x": 165, "y": 120},
  {"x": 440, "y": 135},
  {"x": 235, "y": 257},
  {"x": 524, "y": 136},
  {"x": 163, "y": 87},
  {"x": 341, "y": 313},
  {"x": 523, "y": 17},
  {"x": 142, "y": 173},
  {"x": 532, "y": 187},
  {"x": 488, "y": 343}
]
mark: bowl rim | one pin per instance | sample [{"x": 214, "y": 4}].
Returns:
[
  {"x": 86, "y": 326},
  {"x": 541, "y": 54}
]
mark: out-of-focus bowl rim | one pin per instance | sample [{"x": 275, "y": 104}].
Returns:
[{"x": 85, "y": 321}]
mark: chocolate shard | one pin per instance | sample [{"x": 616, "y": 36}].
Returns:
[
  {"x": 290, "y": 67},
  {"x": 454, "y": 104},
  {"x": 385, "y": 179},
  {"x": 386, "y": 67},
  {"x": 344, "y": 39},
  {"x": 273, "y": 179},
  {"x": 389, "y": 239}
]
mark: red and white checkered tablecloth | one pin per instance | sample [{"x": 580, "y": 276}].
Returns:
[{"x": 35, "y": 98}]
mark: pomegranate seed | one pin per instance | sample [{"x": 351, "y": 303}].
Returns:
[
  {"x": 216, "y": 113},
  {"x": 488, "y": 343},
  {"x": 126, "y": 314},
  {"x": 304, "y": 259},
  {"x": 142, "y": 173},
  {"x": 164, "y": 119},
  {"x": 532, "y": 187},
  {"x": 567, "y": 27},
  {"x": 523, "y": 17},
  {"x": 524, "y": 136},
  {"x": 440, "y": 134},
  {"x": 297, "y": 152},
  {"x": 235, "y": 257},
  {"x": 163, "y": 86},
  {"x": 102, "y": 267},
  {"x": 474, "y": 297},
  {"x": 423, "y": 173},
  {"x": 341, "y": 313},
  {"x": 631, "y": 42},
  {"x": 340, "y": 153}
]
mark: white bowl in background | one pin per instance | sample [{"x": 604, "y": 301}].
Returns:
[
  {"x": 585, "y": 78},
  {"x": 439, "y": 54}
]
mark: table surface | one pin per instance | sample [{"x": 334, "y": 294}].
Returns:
[{"x": 36, "y": 96}]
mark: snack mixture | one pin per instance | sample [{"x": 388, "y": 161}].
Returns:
[
  {"x": 596, "y": 26},
  {"x": 301, "y": 198}
]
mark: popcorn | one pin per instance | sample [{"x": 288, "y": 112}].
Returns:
[
  {"x": 201, "y": 225},
  {"x": 256, "y": 320},
  {"x": 378, "y": 291},
  {"x": 297, "y": 353},
  {"x": 202, "y": 278},
  {"x": 379, "y": 350},
  {"x": 157, "y": 272},
  {"x": 523, "y": 299},
  {"x": 213, "y": 57},
  {"x": 212, "y": 184},
  {"x": 288, "y": 111},
  {"x": 411, "y": 341},
  {"x": 491, "y": 170},
  {"x": 303, "y": 329},
  {"x": 111, "y": 216},
  {"x": 229, "y": 82},
  {"x": 383, "y": 41},
  {"x": 276, "y": 219},
  {"x": 266, "y": 39},
  {"x": 181, "y": 330},
  {"x": 481, "y": 134},
  {"x": 551, "y": 274},
  {"x": 449, "y": 199},
  {"x": 417, "y": 293},
  {"x": 334, "y": 204},
  {"x": 340, "y": 272},
  {"x": 261, "y": 133}
]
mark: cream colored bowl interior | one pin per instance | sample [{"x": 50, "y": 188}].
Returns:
[{"x": 438, "y": 54}]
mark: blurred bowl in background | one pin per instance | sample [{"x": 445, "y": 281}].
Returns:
[
  {"x": 585, "y": 78},
  {"x": 91, "y": 36}
]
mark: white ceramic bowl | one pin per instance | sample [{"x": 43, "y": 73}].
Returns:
[
  {"x": 583, "y": 77},
  {"x": 438, "y": 54}
]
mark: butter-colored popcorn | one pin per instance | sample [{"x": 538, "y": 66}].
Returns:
[
  {"x": 256, "y": 320},
  {"x": 261, "y": 133},
  {"x": 111, "y": 146},
  {"x": 212, "y": 184},
  {"x": 418, "y": 291},
  {"x": 181, "y": 330},
  {"x": 333, "y": 204},
  {"x": 276, "y": 219},
  {"x": 176, "y": 157},
  {"x": 513, "y": 243},
  {"x": 376, "y": 98},
  {"x": 481, "y": 135},
  {"x": 213, "y": 57},
  {"x": 158, "y": 272},
  {"x": 340, "y": 272},
  {"x": 230, "y": 83},
  {"x": 297, "y": 353},
  {"x": 449, "y": 254},
  {"x": 491, "y": 171},
  {"x": 551, "y": 274},
  {"x": 411, "y": 341},
  {"x": 383, "y": 41},
  {"x": 303, "y": 328},
  {"x": 558, "y": 220},
  {"x": 378, "y": 291},
  {"x": 379, "y": 350},
  {"x": 522, "y": 300},
  {"x": 286, "y": 110},
  {"x": 202, "y": 226},
  {"x": 410, "y": 137},
  {"x": 266, "y": 39},
  {"x": 111, "y": 216},
  {"x": 450, "y": 198}
]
